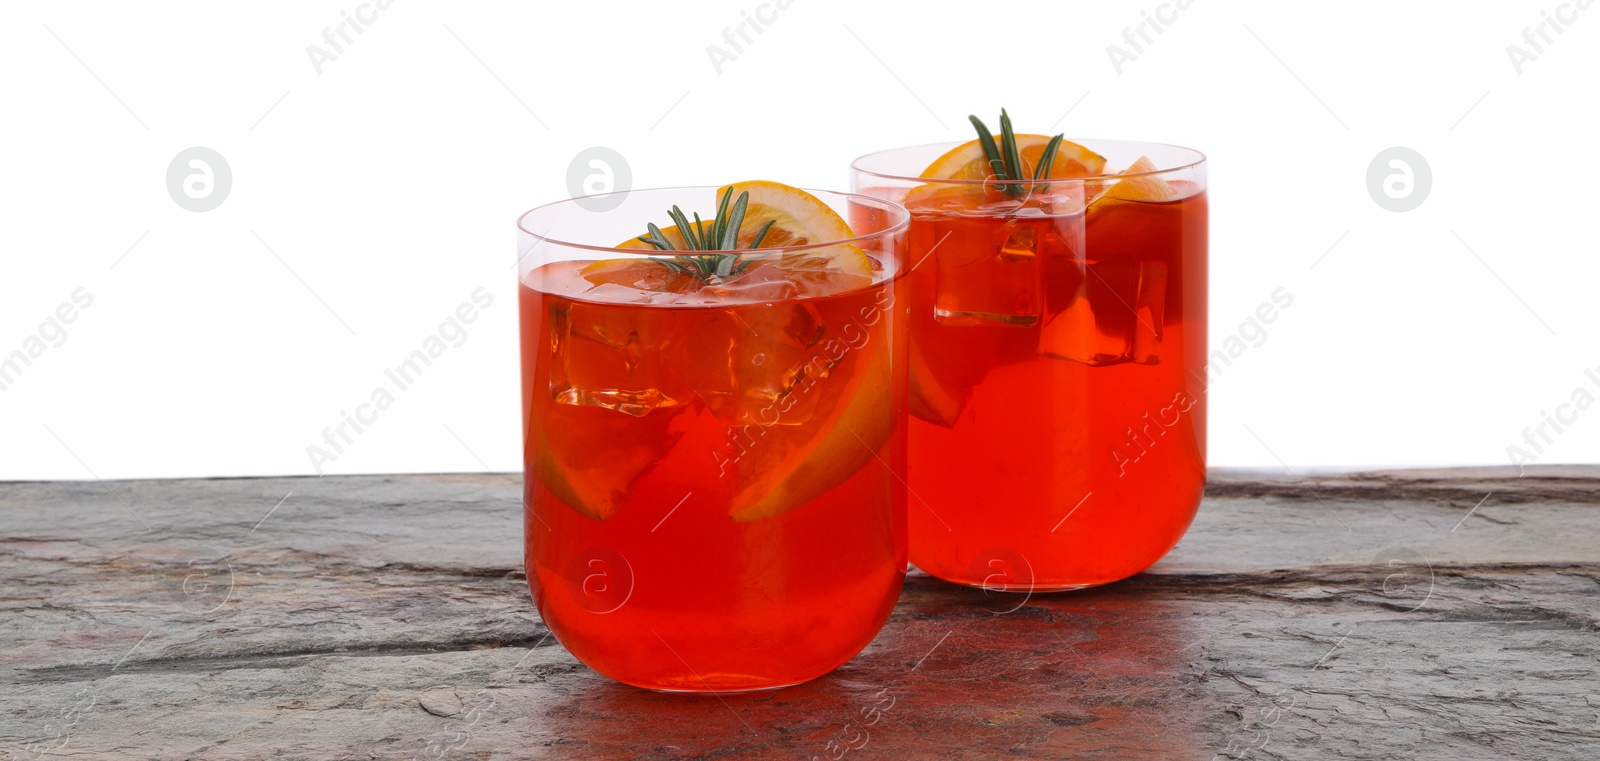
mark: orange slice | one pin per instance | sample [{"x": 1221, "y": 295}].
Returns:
[
  {"x": 581, "y": 456},
  {"x": 831, "y": 450},
  {"x": 795, "y": 464},
  {"x": 1141, "y": 186},
  {"x": 928, "y": 398},
  {"x": 798, "y": 219},
  {"x": 968, "y": 162}
]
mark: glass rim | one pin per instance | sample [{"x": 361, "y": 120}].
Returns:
[
  {"x": 855, "y": 165},
  {"x": 902, "y": 224}
]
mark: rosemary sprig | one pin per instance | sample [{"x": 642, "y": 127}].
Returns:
[
  {"x": 722, "y": 235},
  {"x": 1005, "y": 160}
]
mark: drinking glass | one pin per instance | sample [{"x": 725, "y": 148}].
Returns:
[
  {"x": 1057, "y": 366},
  {"x": 711, "y": 498}
]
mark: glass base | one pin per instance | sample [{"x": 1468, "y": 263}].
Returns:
[
  {"x": 719, "y": 691},
  {"x": 1037, "y": 587},
  {"x": 1027, "y": 589}
]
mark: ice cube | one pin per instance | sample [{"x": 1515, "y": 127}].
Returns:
[
  {"x": 989, "y": 263},
  {"x": 753, "y": 362},
  {"x": 988, "y": 274},
  {"x": 757, "y": 284},
  {"x": 1019, "y": 242},
  {"x": 996, "y": 208},
  {"x": 1105, "y": 313},
  {"x": 620, "y": 294},
  {"x": 781, "y": 360},
  {"x": 1059, "y": 199},
  {"x": 607, "y": 355},
  {"x": 746, "y": 346}
]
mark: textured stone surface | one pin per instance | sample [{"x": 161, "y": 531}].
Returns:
[{"x": 1343, "y": 616}]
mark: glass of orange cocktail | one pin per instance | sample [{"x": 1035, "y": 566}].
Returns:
[
  {"x": 1057, "y": 359},
  {"x": 714, "y": 418}
]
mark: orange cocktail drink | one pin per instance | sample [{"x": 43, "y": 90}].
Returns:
[
  {"x": 1058, "y": 347},
  {"x": 711, "y": 433}
]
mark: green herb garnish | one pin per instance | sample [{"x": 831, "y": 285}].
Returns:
[
  {"x": 721, "y": 235},
  {"x": 1006, "y": 161}
]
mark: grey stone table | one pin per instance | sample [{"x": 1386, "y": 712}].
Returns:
[{"x": 1418, "y": 614}]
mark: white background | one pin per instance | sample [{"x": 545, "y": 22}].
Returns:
[{"x": 387, "y": 186}]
